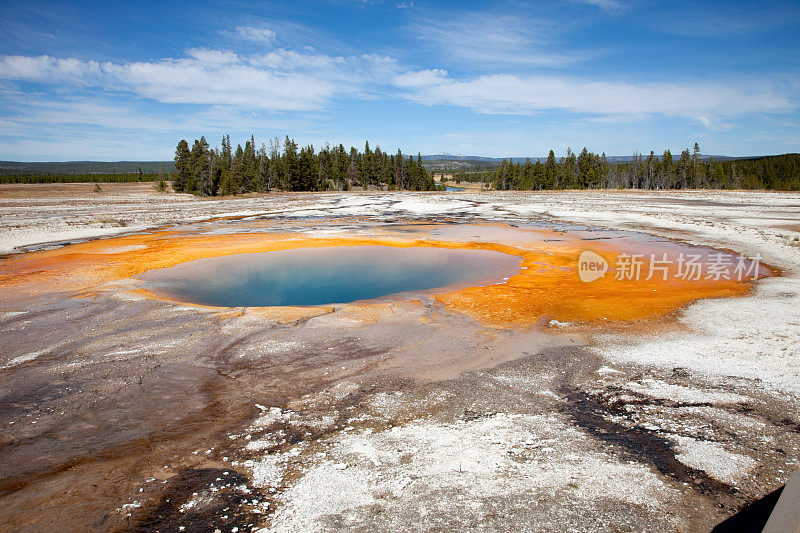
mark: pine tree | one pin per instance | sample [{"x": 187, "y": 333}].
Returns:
[
  {"x": 376, "y": 170},
  {"x": 684, "y": 169},
  {"x": 353, "y": 167},
  {"x": 275, "y": 170},
  {"x": 399, "y": 171},
  {"x": 667, "y": 171},
  {"x": 308, "y": 170},
  {"x": 551, "y": 172},
  {"x": 200, "y": 168},
  {"x": 182, "y": 166},
  {"x": 366, "y": 167},
  {"x": 696, "y": 166},
  {"x": 604, "y": 177},
  {"x": 263, "y": 169},
  {"x": 291, "y": 165}
]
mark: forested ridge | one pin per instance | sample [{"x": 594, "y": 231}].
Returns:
[
  {"x": 213, "y": 171},
  {"x": 204, "y": 170},
  {"x": 85, "y": 171},
  {"x": 97, "y": 177},
  {"x": 688, "y": 171}
]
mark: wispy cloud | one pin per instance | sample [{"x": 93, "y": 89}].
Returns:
[
  {"x": 421, "y": 79},
  {"x": 729, "y": 21},
  {"x": 284, "y": 77},
  {"x": 606, "y": 5},
  {"x": 513, "y": 94},
  {"x": 60, "y": 127},
  {"x": 287, "y": 80},
  {"x": 255, "y": 34},
  {"x": 281, "y": 80},
  {"x": 495, "y": 40},
  {"x": 49, "y": 69}
]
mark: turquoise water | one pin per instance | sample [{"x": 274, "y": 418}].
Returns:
[
  {"x": 454, "y": 189},
  {"x": 330, "y": 275}
]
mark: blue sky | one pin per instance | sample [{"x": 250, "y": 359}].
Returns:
[{"x": 94, "y": 80}]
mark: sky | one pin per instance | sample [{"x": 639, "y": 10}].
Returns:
[{"x": 100, "y": 81}]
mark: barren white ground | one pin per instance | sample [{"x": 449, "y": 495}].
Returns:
[
  {"x": 750, "y": 337},
  {"x": 431, "y": 467}
]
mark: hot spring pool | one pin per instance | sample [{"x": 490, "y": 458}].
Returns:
[{"x": 328, "y": 275}]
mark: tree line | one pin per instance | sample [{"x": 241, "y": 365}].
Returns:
[
  {"x": 98, "y": 177},
  {"x": 281, "y": 165},
  {"x": 588, "y": 170},
  {"x": 213, "y": 171}
]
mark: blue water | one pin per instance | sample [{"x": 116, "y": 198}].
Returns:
[
  {"x": 455, "y": 189},
  {"x": 330, "y": 275}
]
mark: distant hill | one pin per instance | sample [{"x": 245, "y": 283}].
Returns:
[
  {"x": 613, "y": 158},
  {"x": 438, "y": 162},
  {"x": 435, "y": 162},
  {"x": 85, "y": 167},
  {"x": 451, "y": 157}
]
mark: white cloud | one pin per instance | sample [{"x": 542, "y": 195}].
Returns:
[
  {"x": 255, "y": 34},
  {"x": 421, "y": 78},
  {"x": 736, "y": 20},
  {"x": 30, "y": 113},
  {"x": 287, "y": 80},
  {"x": 214, "y": 58},
  {"x": 607, "y": 5},
  {"x": 494, "y": 40},
  {"x": 512, "y": 94},
  {"x": 63, "y": 127},
  {"x": 291, "y": 60},
  {"x": 240, "y": 84},
  {"x": 281, "y": 80},
  {"x": 49, "y": 69}
]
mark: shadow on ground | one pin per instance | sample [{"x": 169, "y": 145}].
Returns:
[{"x": 753, "y": 517}]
